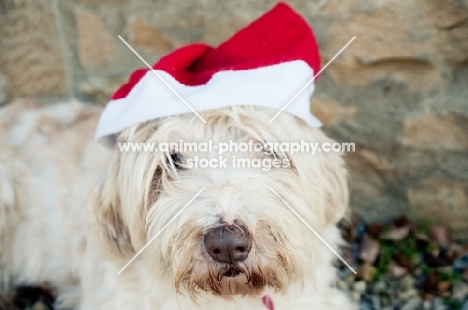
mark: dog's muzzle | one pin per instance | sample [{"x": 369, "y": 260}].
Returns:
[{"x": 228, "y": 243}]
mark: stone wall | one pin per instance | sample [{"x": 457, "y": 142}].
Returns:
[{"x": 400, "y": 91}]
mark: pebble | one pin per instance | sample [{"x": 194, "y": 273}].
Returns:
[
  {"x": 344, "y": 273},
  {"x": 366, "y": 272},
  {"x": 406, "y": 282},
  {"x": 365, "y": 305},
  {"x": 370, "y": 249},
  {"x": 438, "y": 304},
  {"x": 441, "y": 235},
  {"x": 397, "y": 233},
  {"x": 360, "y": 229},
  {"x": 395, "y": 270},
  {"x": 460, "y": 290},
  {"x": 355, "y": 251},
  {"x": 39, "y": 306},
  {"x": 356, "y": 296},
  {"x": 427, "y": 305},
  {"x": 409, "y": 293},
  {"x": 443, "y": 288},
  {"x": 379, "y": 287},
  {"x": 461, "y": 263},
  {"x": 350, "y": 279},
  {"x": 385, "y": 301},
  {"x": 418, "y": 272},
  {"x": 412, "y": 304},
  {"x": 359, "y": 286},
  {"x": 375, "y": 300}
]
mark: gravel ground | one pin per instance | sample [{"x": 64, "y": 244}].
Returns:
[
  {"x": 399, "y": 266},
  {"x": 404, "y": 266}
]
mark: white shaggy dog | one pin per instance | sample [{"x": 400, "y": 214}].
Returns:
[{"x": 73, "y": 213}]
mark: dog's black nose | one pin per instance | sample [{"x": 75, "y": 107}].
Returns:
[{"x": 228, "y": 244}]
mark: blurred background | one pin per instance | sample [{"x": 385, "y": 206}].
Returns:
[{"x": 399, "y": 92}]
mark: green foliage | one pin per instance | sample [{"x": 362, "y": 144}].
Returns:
[
  {"x": 410, "y": 249},
  {"x": 452, "y": 303},
  {"x": 425, "y": 226},
  {"x": 450, "y": 275}
]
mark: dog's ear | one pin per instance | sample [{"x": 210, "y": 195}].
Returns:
[
  {"x": 120, "y": 201},
  {"x": 106, "y": 222}
]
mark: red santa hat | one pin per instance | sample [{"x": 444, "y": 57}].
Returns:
[{"x": 264, "y": 64}]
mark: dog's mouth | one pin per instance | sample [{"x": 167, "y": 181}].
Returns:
[
  {"x": 226, "y": 280},
  {"x": 232, "y": 272}
]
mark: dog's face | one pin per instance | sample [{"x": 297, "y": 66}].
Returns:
[{"x": 237, "y": 236}]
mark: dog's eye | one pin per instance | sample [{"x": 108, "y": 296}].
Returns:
[{"x": 177, "y": 160}]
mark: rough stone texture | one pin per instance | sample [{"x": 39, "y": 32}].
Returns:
[
  {"x": 95, "y": 42},
  {"x": 30, "y": 50},
  {"x": 100, "y": 90},
  {"x": 441, "y": 199},
  {"x": 331, "y": 112},
  {"x": 142, "y": 35},
  {"x": 399, "y": 91},
  {"x": 411, "y": 42},
  {"x": 3, "y": 89},
  {"x": 436, "y": 132},
  {"x": 406, "y": 77}
]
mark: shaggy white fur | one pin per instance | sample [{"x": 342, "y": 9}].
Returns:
[{"x": 73, "y": 213}]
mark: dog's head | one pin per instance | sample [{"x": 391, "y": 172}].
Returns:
[{"x": 236, "y": 236}]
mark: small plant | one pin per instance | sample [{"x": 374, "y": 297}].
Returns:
[
  {"x": 425, "y": 226},
  {"x": 450, "y": 275},
  {"x": 452, "y": 303}
]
